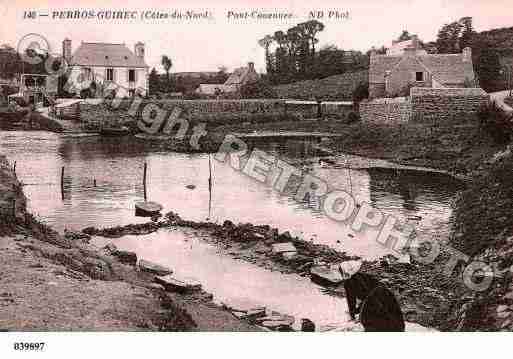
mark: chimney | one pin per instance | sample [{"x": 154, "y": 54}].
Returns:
[
  {"x": 251, "y": 66},
  {"x": 467, "y": 54},
  {"x": 139, "y": 50},
  {"x": 66, "y": 50}
]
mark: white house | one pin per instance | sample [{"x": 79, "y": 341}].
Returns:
[{"x": 108, "y": 66}]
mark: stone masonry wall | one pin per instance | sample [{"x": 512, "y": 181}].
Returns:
[
  {"x": 446, "y": 103},
  {"x": 386, "y": 110}
]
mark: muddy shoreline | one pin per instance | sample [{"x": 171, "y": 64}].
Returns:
[
  {"x": 35, "y": 257},
  {"x": 426, "y": 295}
]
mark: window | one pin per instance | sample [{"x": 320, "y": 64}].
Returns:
[
  {"x": 419, "y": 76},
  {"x": 110, "y": 74},
  {"x": 131, "y": 75}
]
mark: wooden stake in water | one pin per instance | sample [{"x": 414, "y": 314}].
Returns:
[
  {"x": 144, "y": 179},
  {"x": 209, "y": 185},
  {"x": 62, "y": 183},
  {"x": 14, "y": 208}
]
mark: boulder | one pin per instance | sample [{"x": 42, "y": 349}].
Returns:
[
  {"x": 279, "y": 248},
  {"x": 147, "y": 266},
  {"x": 178, "y": 284},
  {"x": 126, "y": 257},
  {"x": 110, "y": 248}
]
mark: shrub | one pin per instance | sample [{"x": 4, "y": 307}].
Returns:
[
  {"x": 361, "y": 92},
  {"x": 259, "y": 89},
  {"x": 496, "y": 122},
  {"x": 353, "y": 117}
]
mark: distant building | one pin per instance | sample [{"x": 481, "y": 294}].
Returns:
[
  {"x": 241, "y": 76},
  {"x": 111, "y": 66},
  {"x": 407, "y": 64}
]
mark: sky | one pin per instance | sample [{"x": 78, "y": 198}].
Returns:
[{"x": 204, "y": 45}]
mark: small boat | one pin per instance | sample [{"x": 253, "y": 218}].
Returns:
[
  {"x": 114, "y": 131},
  {"x": 147, "y": 209}
]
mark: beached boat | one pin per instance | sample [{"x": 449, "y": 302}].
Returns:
[{"x": 147, "y": 208}]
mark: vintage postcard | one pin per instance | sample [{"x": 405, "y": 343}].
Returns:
[{"x": 255, "y": 166}]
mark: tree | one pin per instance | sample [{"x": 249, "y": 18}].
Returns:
[
  {"x": 447, "y": 41},
  {"x": 405, "y": 35},
  {"x": 467, "y": 34},
  {"x": 311, "y": 29},
  {"x": 166, "y": 64},
  {"x": 154, "y": 81},
  {"x": 266, "y": 42}
]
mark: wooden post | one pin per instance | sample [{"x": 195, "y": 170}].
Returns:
[
  {"x": 144, "y": 179},
  {"x": 14, "y": 208},
  {"x": 14, "y": 169},
  {"x": 62, "y": 183}
]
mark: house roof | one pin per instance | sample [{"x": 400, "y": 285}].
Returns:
[
  {"x": 105, "y": 54},
  {"x": 237, "y": 76},
  {"x": 445, "y": 68}
]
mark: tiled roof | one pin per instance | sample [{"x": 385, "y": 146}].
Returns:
[
  {"x": 379, "y": 64},
  {"x": 237, "y": 76},
  {"x": 104, "y": 54},
  {"x": 448, "y": 68},
  {"x": 445, "y": 68}
]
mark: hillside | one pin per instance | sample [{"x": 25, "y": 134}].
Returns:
[{"x": 337, "y": 87}]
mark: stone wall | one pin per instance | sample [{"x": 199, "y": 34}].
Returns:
[
  {"x": 446, "y": 103},
  {"x": 219, "y": 111},
  {"x": 386, "y": 110}
]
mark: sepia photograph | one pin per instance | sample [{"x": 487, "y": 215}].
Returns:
[{"x": 265, "y": 167}]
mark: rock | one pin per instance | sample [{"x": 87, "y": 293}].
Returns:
[
  {"x": 126, "y": 257},
  {"x": 325, "y": 275},
  {"x": 503, "y": 315},
  {"x": 261, "y": 248},
  {"x": 279, "y": 248},
  {"x": 147, "y": 266},
  {"x": 90, "y": 231},
  {"x": 502, "y": 308},
  {"x": 277, "y": 322},
  {"x": 173, "y": 283},
  {"x": 110, "y": 248},
  {"x": 74, "y": 236},
  {"x": 253, "y": 314},
  {"x": 307, "y": 325},
  {"x": 285, "y": 236},
  {"x": 506, "y": 323},
  {"x": 228, "y": 224}
]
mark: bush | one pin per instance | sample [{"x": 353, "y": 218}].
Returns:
[
  {"x": 361, "y": 92},
  {"x": 259, "y": 89},
  {"x": 353, "y": 117},
  {"x": 496, "y": 122}
]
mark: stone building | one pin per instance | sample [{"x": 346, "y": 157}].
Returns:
[
  {"x": 110, "y": 66},
  {"x": 240, "y": 76},
  {"x": 407, "y": 65}
]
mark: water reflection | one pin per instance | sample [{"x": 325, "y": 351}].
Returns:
[{"x": 117, "y": 167}]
